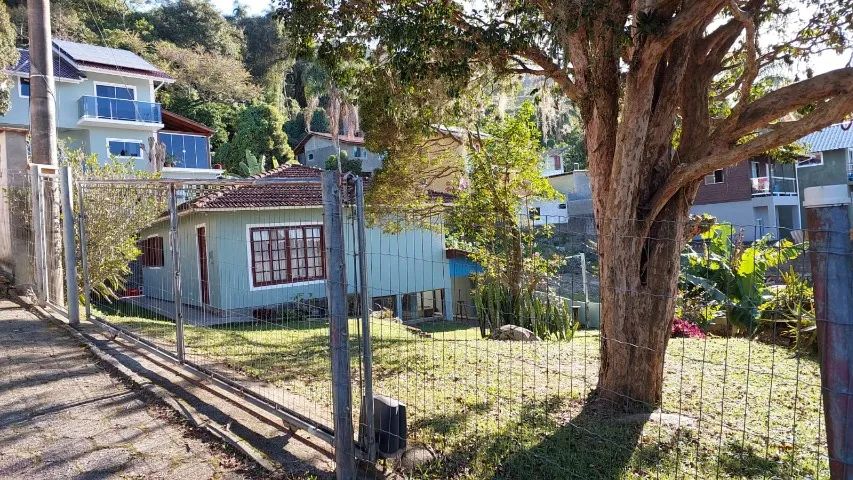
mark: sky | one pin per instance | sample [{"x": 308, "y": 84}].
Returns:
[{"x": 255, "y": 7}]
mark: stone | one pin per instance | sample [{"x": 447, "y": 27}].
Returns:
[{"x": 515, "y": 333}]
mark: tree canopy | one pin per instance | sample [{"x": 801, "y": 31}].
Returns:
[
  {"x": 260, "y": 131},
  {"x": 666, "y": 91}
]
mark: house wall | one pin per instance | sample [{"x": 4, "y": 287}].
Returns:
[
  {"x": 98, "y": 138},
  {"x": 736, "y": 186},
  {"x": 322, "y": 148},
  {"x": 411, "y": 261},
  {"x": 741, "y": 214},
  {"x": 832, "y": 172}
]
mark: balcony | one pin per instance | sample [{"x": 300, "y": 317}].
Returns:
[
  {"x": 105, "y": 111},
  {"x": 776, "y": 186}
]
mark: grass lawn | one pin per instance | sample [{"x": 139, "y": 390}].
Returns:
[{"x": 517, "y": 410}]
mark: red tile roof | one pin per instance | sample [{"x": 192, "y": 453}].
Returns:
[
  {"x": 299, "y": 186},
  {"x": 267, "y": 194}
]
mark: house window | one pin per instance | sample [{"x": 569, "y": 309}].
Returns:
[
  {"x": 187, "y": 151},
  {"x": 115, "y": 91},
  {"x": 152, "y": 252},
  {"x": 815, "y": 158},
  {"x": 357, "y": 152},
  {"x": 716, "y": 177},
  {"x": 310, "y": 156},
  {"x": 562, "y": 206},
  {"x": 125, "y": 148},
  {"x": 282, "y": 255},
  {"x": 24, "y": 87}
]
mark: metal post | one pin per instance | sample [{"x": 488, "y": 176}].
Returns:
[
  {"x": 583, "y": 278},
  {"x": 832, "y": 273},
  {"x": 72, "y": 291},
  {"x": 39, "y": 248},
  {"x": 84, "y": 256},
  {"x": 336, "y": 296},
  {"x": 368, "y": 441},
  {"x": 176, "y": 268}
]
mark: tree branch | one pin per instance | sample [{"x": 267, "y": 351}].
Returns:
[
  {"x": 552, "y": 70},
  {"x": 782, "y": 101},
  {"x": 696, "y": 13},
  {"x": 724, "y": 155}
]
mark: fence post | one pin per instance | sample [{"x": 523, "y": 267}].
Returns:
[
  {"x": 72, "y": 291},
  {"x": 176, "y": 268},
  {"x": 832, "y": 272},
  {"x": 336, "y": 296},
  {"x": 39, "y": 247},
  {"x": 84, "y": 255},
  {"x": 368, "y": 441}
]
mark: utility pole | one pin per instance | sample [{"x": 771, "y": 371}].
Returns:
[{"x": 43, "y": 134}]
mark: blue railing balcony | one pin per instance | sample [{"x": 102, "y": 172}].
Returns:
[
  {"x": 781, "y": 186},
  {"x": 105, "y": 108}
]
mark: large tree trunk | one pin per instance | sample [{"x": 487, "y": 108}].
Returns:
[{"x": 638, "y": 287}]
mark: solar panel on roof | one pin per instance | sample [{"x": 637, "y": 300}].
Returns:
[{"x": 104, "y": 55}]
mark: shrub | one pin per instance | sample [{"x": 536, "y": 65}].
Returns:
[
  {"x": 791, "y": 306},
  {"x": 682, "y": 328},
  {"x": 547, "y": 316}
]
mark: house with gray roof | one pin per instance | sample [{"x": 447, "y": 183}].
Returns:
[
  {"x": 258, "y": 246},
  {"x": 830, "y": 161},
  {"x": 106, "y": 105}
]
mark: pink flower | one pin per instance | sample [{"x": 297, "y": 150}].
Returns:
[{"x": 684, "y": 328}]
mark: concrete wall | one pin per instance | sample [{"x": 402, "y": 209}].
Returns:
[
  {"x": 832, "y": 172},
  {"x": 740, "y": 214},
  {"x": 411, "y": 261},
  {"x": 15, "y": 235}
]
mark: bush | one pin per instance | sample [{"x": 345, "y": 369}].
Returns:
[
  {"x": 791, "y": 307},
  {"x": 682, "y": 328}
]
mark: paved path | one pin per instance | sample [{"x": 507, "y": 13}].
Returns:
[{"x": 63, "y": 416}]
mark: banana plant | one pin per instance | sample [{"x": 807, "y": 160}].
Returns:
[{"x": 735, "y": 274}]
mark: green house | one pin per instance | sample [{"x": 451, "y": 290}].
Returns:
[
  {"x": 830, "y": 161},
  {"x": 259, "y": 246}
]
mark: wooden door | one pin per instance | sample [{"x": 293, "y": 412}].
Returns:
[{"x": 204, "y": 286}]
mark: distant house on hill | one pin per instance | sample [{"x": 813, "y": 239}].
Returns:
[
  {"x": 316, "y": 147},
  {"x": 757, "y": 196},
  {"x": 106, "y": 105},
  {"x": 830, "y": 161}
]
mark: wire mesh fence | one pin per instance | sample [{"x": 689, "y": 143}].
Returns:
[{"x": 497, "y": 363}]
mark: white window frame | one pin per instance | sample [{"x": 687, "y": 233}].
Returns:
[
  {"x": 812, "y": 155},
  {"x": 20, "y": 85},
  {"x": 310, "y": 156},
  {"x": 121, "y": 85},
  {"x": 713, "y": 177},
  {"x": 250, "y": 277},
  {"x": 127, "y": 140}
]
